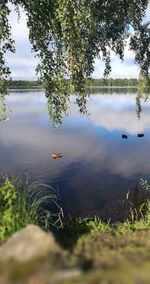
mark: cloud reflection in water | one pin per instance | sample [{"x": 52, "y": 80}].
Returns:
[{"x": 98, "y": 166}]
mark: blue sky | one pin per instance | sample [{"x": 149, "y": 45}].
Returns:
[{"x": 23, "y": 62}]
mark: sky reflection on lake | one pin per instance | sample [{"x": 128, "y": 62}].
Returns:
[{"x": 98, "y": 166}]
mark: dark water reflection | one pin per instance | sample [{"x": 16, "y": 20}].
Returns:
[{"x": 98, "y": 166}]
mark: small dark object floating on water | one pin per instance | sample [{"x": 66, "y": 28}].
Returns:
[
  {"x": 124, "y": 136},
  {"x": 57, "y": 155},
  {"x": 140, "y": 135}
]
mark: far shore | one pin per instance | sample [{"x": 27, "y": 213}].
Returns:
[{"x": 40, "y": 88}]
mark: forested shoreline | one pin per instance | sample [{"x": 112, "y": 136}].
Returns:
[
  {"x": 123, "y": 82},
  {"x": 21, "y": 84}
]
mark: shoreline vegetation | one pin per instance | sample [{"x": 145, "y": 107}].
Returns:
[
  {"x": 93, "y": 83},
  {"x": 86, "y": 251},
  {"x": 24, "y": 202}
]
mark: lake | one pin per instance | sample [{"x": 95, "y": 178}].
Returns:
[{"x": 98, "y": 167}]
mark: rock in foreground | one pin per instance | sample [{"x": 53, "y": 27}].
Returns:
[
  {"x": 105, "y": 256},
  {"x": 28, "y": 244}
]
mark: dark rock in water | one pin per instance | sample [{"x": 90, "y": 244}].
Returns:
[
  {"x": 140, "y": 135},
  {"x": 124, "y": 136}
]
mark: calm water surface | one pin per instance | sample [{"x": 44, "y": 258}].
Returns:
[{"x": 98, "y": 167}]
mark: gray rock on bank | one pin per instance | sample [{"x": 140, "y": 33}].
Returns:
[{"x": 28, "y": 244}]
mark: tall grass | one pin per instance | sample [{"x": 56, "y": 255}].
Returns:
[{"x": 22, "y": 203}]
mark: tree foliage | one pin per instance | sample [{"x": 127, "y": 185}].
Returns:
[{"x": 67, "y": 36}]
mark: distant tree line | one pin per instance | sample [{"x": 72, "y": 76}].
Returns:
[
  {"x": 124, "y": 82},
  {"x": 92, "y": 83},
  {"x": 23, "y": 84}
]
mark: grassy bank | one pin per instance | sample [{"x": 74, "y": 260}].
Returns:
[
  {"x": 97, "y": 252},
  {"x": 110, "y": 253},
  {"x": 23, "y": 202}
]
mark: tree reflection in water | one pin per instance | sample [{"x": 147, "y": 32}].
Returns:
[
  {"x": 3, "y": 109},
  {"x": 58, "y": 106},
  {"x": 142, "y": 94},
  {"x": 58, "y": 103}
]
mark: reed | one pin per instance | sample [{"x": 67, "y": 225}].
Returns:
[{"x": 23, "y": 202}]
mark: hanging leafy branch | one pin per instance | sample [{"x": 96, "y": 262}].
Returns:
[
  {"x": 67, "y": 36},
  {"x": 6, "y": 43}
]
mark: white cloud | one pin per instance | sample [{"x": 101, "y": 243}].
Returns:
[
  {"x": 19, "y": 61},
  {"x": 119, "y": 116},
  {"x": 19, "y": 27},
  {"x": 127, "y": 68},
  {"x": 28, "y": 74},
  {"x": 147, "y": 17},
  {"x": 23, "y": 62}
]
